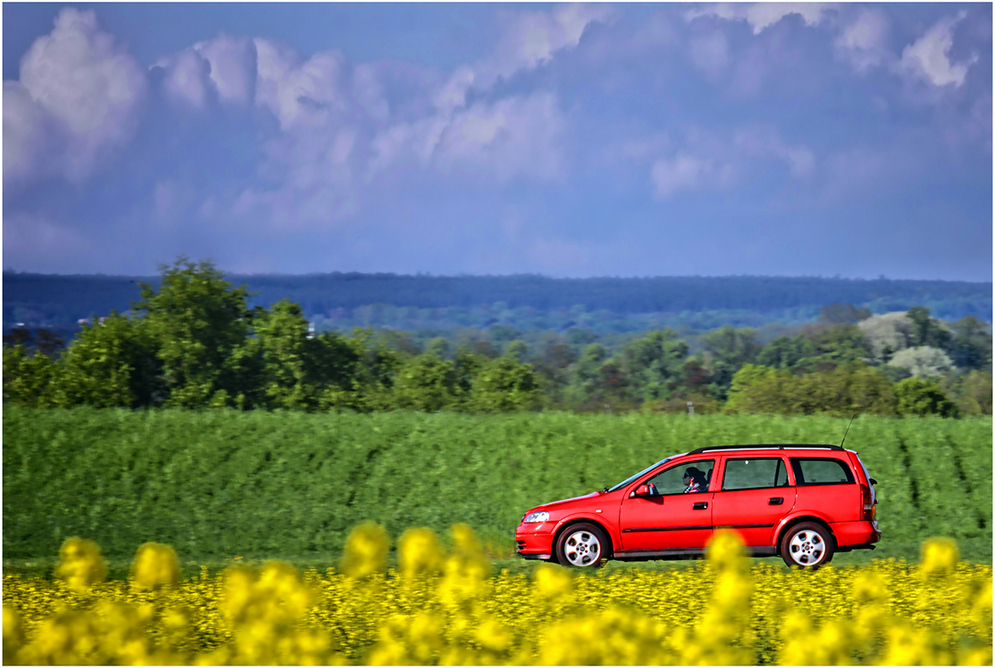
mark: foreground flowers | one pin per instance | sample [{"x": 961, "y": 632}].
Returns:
[{"x": 448, "y": 608}]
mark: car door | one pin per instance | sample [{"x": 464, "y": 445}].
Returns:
[
  {"x": 754, "y": 494},
  {"x": 671, "y": 519}
]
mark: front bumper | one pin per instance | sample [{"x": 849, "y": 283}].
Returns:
[
  {"x": 535, "y": 540},
  {"x": 856, "y": 535}
]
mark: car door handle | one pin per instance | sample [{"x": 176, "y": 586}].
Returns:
[
  {"x": 775, "y": 501},
  {"x": 701, "y": 505}
]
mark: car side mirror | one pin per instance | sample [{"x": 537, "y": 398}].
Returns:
[{"x": 641, "y": 491}]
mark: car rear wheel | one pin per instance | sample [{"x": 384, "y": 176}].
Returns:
[
  {"x": 581, "y": 546},
  {"x": 807, "y": 545}
]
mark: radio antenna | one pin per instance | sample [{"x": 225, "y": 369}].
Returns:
[{"x": 847, "y": 429}]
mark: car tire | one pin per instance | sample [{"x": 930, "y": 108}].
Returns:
[
  {"x": 581, "y": 546},
  {"x": 807, "y": 545}
]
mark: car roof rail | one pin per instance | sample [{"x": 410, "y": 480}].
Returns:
[{"x": 766, "y": 446}]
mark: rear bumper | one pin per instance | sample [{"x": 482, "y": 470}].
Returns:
[
  {"x": 535, "y": 540},
  {"x": 856, "y": 535}
]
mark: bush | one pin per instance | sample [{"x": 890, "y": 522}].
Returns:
[{"x": 917, "y": 396}]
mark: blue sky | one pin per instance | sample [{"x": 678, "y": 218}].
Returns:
[{"x": 565, "y": 140}]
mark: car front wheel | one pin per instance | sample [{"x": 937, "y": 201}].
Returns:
[
  {"x": 581, "y": 546},
  {"x": 807, "y": 545}
]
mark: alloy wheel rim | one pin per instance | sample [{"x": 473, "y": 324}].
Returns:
[
  {"x": 582, "y": 548},
  {"x": 807, "y": 548}
]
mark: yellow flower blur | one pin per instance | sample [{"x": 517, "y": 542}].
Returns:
[
  {"x": 722, "y": 612},
  {"x": 420, "y": 553},
  {"x": 80, "y": 563},
  {"x": 155, "y": 565},
  {"x": 366, "y": 550}
]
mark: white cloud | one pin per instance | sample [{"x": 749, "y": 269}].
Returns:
[
  {"x": 233, "y": 67},
  {"x": 761, "y": 15},
  {"x": 88, "y": 93},
  {"x": 928, "y": 57},
  {"x": 536, "y": 36},
  {"x": 303, "y": 95},
  {"x": 864, "y": 41},
  {"x": 24, "y": 135},
  {"x": 513, "y": 137},
  {"x": 452, "y": 95},
  {"x": 705, "y": 161},
  {"x": 368, "y": 91},
  {"x": 188, "y": 78},
  {"x": 682, "y": 172},
  {"x": 517, "y": 136}
]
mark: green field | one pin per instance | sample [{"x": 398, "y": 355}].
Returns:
[{"x": 220, "y": 484}]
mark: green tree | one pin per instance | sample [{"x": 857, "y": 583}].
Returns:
[
  {"x": 653, "y": 364},
  {"x": 112, "y": 363},
  {"x": 838, "y": 344},
  {"x": 517, "y": 350},
  {"x": 373, "y": 374},
  {"x": 587, "y": 371},
  {"x": 29, "y": 379},
  {"x": 971, "y": 347},
  {"x": 282, "y": 335},
  {"x": 199, "y": 322},
  {"x": 438, "y": 346},
  {"x": 786, "y": 352},
  {"x": 426, "y": 383},
  {"x": 918, "y": 396},
  {"x": 729, "y": 349},
  {"x": 850, "y": 389},
  {"x": 847, "y": 390},
  {"x": 976, "y": 394},
  {"x": 927, "y": 331},
  {"x": 504, "y": 384},
  {"x": 302, "y": 370}
]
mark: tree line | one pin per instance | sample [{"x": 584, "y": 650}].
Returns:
[
  {"x": 193, "y": 340},
  {"x": 390, "y": 300}
]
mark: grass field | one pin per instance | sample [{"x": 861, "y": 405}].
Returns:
[{"x": 221, "y": 484}]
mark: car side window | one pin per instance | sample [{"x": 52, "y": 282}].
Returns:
[
  {"x": 821, "y": 471},
  {"x": 758, "y": 473},
  {"x": 685, "y": 478}
]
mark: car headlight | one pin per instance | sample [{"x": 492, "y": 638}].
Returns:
[{"x": 542, "y": 516}]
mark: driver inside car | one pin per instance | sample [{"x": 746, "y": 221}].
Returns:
[{"x": 694, "y": 480}]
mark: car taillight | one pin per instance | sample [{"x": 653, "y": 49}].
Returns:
[{"x": 868, "y": 502}]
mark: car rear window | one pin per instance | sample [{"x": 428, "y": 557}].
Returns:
[
  {"x": 821, "y": 471},
  {"x": 758, "y": 473}
]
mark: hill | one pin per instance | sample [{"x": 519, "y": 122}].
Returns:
[{"x": 525, "y": 302}]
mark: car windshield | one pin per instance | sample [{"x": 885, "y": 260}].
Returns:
[{"x": 645, "y": 470}]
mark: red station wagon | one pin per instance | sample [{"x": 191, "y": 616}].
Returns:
[{"x": 803, "y": 502}]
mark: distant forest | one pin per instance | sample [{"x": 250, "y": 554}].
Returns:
[
  {"x": 195, "y": 341},
  {"x": 341, "y": 301}
]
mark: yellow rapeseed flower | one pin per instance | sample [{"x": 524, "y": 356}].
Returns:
[
  {"x": 420, "y": 553},
  {"x": 155, "y": 565},
  {"x": 939, "y": 557},
  {"x": 80, "y": 563},
  {"x": 720, "y": 613},
  {"x": 13, "y": 635},
  {"x": 553, "y": 584},
  {"x": 366, "y": 550}
]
